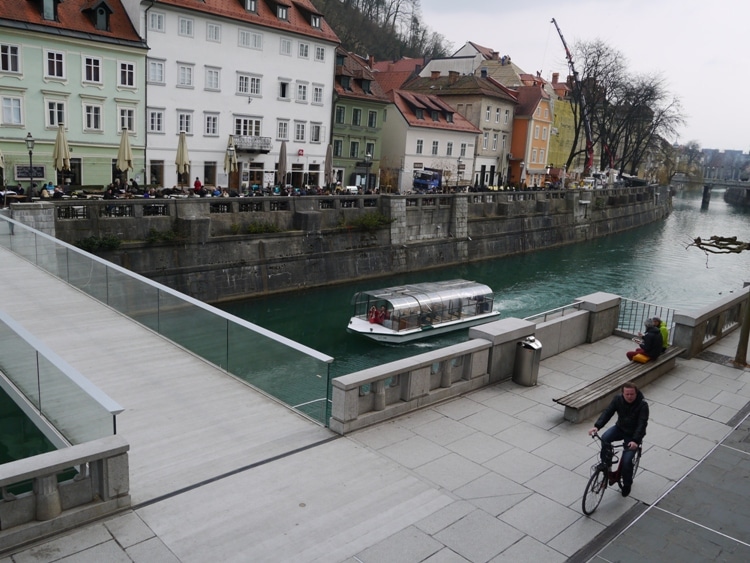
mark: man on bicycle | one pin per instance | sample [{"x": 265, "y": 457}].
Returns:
[{"x": 632, "y": 419}]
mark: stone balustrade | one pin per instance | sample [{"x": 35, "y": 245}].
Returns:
[{"x": 62, "y": 498}]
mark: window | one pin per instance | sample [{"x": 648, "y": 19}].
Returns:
[
  {"x": 435, "y": 115},
  {"x": 284, "y": 90},
  {"x": 248, "y": 85},
  {"x": 541, "y": 155},
  {"x": 156, "y": 21},
  {"x": 127, "y": 119},
  {"x": 55, "y": 113},
  {"x": 370, "y": 149},
  {"x": 533, "y": 156},
  {"x": 49, "y": 9},
  {"x": 538, "y": 112},
  {"x": 354, "y": 149},
  {"x": 9, "y": 61},
  {"x": 487, "y": 113},
  {"x": 449, "y": 148},
  {"x": 282, "y": 12},
  {"x": 507, "y": 115},
  {"x": 449, "y": 117},
  {"x": 285, "y": 47},
  {"x": 546, "y": 113},
  {"x": 282, "y": 130},
  {"x": 185, "y": 122},
  {"x": 127, "y": 75},
  {"x": 356, "y": 116},
  {"x": 366, "y": 86},
  {"x": 92, "y": 117},
  {"x": 315, "y": 132},
  {"x": 247, "y": 126},
  {"x": 419, "y": 113},
  {"x": 317, "y": 95},
  {"x": 463, "y": 150},
  {"x": 211, "y": 128},
  {"x": 55, "y": 64},
  {"x": 155, "y": 121},
  {"x": 345, "y": 82},
  {"x": 435, "y": 147},
  {"x": 497, "y": 115},
  {"x": 299, "y": 131},
  {"x": 340, "y": 114},
  {"x": 320, "y": 54},
  {"x": 92, "y": 69},
  {"x": 372, "y": 119},
  {"x": 251, "y": 5},
  {"x": 212, "y": 78},
  {"x": 213, "y": 32},
  {"x": 315, "y": 21},
  {"x": 338, "y": 147},
  {"x": 185, "y": 27},
  {"x": 302, "y": 92},
  {"x": 420, "y": 146},
  {"x": 505, "y": 142},
  {"x": 185, "y": 76},
  {"x": 536, "y": 131},
  {"x": 303, "y": 51},
  {"x": 544, "y": 133},
  {"x": 494, "y": 141},
  {"x": 12, "y": 111},
  {"x": 250, "y": 39},
  {"x": 485, "y": 140},
  {"x": 156, "y": 72}
]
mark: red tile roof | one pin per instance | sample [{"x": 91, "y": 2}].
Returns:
[
  {"x": 391, "y": 75},
  {"x": 357, "y": 69},
  {"x": 298, "y": 15},
  {"x": 408, "y": 102},
  {"x": 71, "y": 17}
]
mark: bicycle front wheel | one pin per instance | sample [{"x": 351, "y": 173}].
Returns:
[
  {"x": 594, "y": 492},
  {"x": 636, "y": 461}
]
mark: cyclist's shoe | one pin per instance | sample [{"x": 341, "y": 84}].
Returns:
[{"x": 626, "y": 490}]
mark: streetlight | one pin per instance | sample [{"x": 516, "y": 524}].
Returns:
[
  {"x": 30, "y": 145},
  {"x": 368, "y": 162},
  {"x": 459, "y": 170},
  {"x": 230, "y": 161}
]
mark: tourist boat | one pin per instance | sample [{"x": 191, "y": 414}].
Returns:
[{"x": 409, "y": 312}]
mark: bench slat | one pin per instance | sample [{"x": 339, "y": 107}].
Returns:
[{"x": 579, "y": 403}]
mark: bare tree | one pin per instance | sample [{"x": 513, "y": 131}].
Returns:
[{"x": 729, "y": 245}]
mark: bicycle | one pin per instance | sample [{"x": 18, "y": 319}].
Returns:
[{"x": 602, "y": 475}]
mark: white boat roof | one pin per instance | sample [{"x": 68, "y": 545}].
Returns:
[{"x": 404, "y": 296}]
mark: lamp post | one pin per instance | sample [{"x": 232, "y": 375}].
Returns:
[
  {"x": 230, "y": 160},
  {"x": 459, "y": 170},
  {"x": 30, "y": 145},
  {"x": 368, "y": 162}
]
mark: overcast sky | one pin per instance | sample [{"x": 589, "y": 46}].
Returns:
[{"x": 701, "y": 48}]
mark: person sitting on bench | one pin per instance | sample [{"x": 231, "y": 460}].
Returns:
[{"x": 651, "y": 344}]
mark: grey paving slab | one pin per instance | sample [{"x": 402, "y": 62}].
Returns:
[
  {"x": 518, "y": 465},
  {"x": 151, "y": 551},
  {"x": 478, "y": 536},
  {"x": 446, "y": 555},
  {"x": 459, "y": 408},
  {"x": 65, "y": 546},
  {"x": 444, "y": 517},
  {"x": 405, "y": 546},
  {"x": 414, "y": 451},
  {"x": 451, "y": 471},
  {"x": 540, "y": 517},
  {"x": 444, "y": 430},
  {"x": 529, "y": 550},
  {"x": 493, "y": 493},
  {"x": 479, "y": 447},
  {"x": 128, "y": 529},
  {"x": 559, "y": 484},
  {"x": 526, "y": 436}
]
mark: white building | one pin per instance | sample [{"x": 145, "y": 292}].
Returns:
[
  {"x": 422, "y": 131},
  {"x": 259, "y": 70}
]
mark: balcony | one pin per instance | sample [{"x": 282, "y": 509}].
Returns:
[{"x": 252, "y": 144}]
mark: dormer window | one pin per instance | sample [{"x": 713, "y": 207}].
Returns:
[
  {"x": 251, "y": 5},
  {"x": 435, "y": 115},
  {"x": 366, "y": 86},
  {"x": 419, "y": 113},
  {"x": 282, "y": 12},
  {"x": 449, "y": 117},
  {"x": 346, "y": 82},
  {"x": 101, "y": 19},
  {"x": 315, "y": 21},
  {"x": 49, "y": 9},
  {"x": 339, "y": 59}
]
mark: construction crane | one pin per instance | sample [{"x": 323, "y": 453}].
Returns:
[{"x": 584, "y": 107}]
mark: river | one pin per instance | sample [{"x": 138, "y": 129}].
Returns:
[{"x": 651, "y": 264}]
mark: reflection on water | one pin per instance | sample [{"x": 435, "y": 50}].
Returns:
[{"x": 649, "y": 264}]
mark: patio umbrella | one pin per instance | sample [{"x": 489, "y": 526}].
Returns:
[
  {"x": 282, "y": 165},
  {"x": 182, "y": 161},
  {"x": 230, "y": 158},
  {"x": 124, "y": 154},
  {"x": 328, "y": 167},
  {"x": 61, "y": 152}
]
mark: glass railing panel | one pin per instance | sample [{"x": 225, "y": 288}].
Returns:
[
  {"x": 23, "y": 242},
  {"x": 132, "y": 297},
  {"x": 87, "y": 275},
  {"x": 292, "y": 376},
  {"x": 201, "y": 331},
  {"x": 72, "y": 411},
  {"x": 47, "y": 256},
  {"x": 18, "y": 361}
]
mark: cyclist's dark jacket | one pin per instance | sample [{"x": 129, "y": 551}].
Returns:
[{"x": 632, "y": 418}]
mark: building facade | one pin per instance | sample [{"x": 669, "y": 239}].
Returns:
[{"x": 78, "y": 63}]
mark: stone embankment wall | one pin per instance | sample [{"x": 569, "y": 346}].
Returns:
[{"x": 212, "y": 261}]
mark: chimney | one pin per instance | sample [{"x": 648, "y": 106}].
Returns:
[
  {"x": 371, "y": 61},
  {"x": 434, "y": 75},
  {"x": 483, "y": 73},
  {"x": 452, "y": 77},
  {"x": 555, "y": 77},
  {"x": 494, "y": 55}
]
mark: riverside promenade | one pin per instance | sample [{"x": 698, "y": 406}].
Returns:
[{"x": 219, "y": 472}]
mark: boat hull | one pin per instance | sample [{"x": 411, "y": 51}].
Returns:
[{"x": 381, "y": 333}]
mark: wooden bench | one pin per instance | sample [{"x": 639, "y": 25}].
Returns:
[{"x": 592, "y": 399}]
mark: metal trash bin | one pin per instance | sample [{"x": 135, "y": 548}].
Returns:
[{"x": 526, "y": 366}]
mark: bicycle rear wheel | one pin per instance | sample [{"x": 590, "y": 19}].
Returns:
[{"x": 594, "y": 492}]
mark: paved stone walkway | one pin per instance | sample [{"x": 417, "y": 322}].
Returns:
[{"x": 496, "y": 475}]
